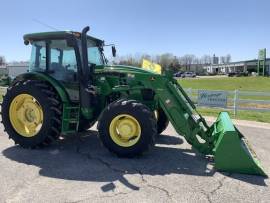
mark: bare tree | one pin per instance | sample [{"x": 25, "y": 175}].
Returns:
[
  {"x": 156, "y": 58},
  {"x": 183, "y": 61},
  {"x": 166, "y": 60},
  {"x": 187, "y": 60},
  {"x": 175, "y": 66},
  {"x": 222, "y": 59},
  {"x": 206, "y": 59},
  {"x": 170, "y": 61},
  {"x": 197, "y": 60},
  {"x": 2, "y": 60}
]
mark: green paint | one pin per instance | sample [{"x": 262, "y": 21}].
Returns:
[
  {"x": 60, "y": 89},
  {"x": 221, "y": 139},
  {"x": 87, "y": 113},
  {"x": 232, "y": 151},
  {"x": 70, "y": 118}
]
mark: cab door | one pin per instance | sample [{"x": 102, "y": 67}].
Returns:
[{"x": 63, "y": 67}]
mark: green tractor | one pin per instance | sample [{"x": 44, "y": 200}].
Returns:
[{"x": 70, "y": 86}]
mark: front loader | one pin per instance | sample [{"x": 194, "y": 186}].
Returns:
[{"x": 70, "y": 86}]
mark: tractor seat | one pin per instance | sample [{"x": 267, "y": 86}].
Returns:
[{"x": 61, "y": 73}]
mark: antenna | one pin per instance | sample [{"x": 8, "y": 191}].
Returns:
[{"x": 44, "y": 24}]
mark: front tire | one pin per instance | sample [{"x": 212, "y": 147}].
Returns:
[
  {"x": 32, "y": 113},
  {"x": 162, "y": 120},
  {"x": 127, "y": 128}
]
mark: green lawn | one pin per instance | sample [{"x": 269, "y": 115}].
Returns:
[
  {"x": 228, "y": 83},
  {"x": 256, "y": 84},
  {"x": 241, "y": 115}
]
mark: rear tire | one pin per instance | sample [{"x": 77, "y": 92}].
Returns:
[
  {"x": 134, "y": 113},
  {"x": 51, "y": 106}
]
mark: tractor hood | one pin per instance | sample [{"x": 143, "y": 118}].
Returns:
[{"x": 123, "y": 69}]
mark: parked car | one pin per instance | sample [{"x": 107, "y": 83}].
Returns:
[
  {"x": 178, "y": 74},
  {"x": 188, "y": 75},
  {"x": 237, "y": 74}
]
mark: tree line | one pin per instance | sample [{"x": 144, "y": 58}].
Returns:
[
  {"x": 2, "y": 60},
  {"x": 166, "y": 60},
  {"x": 170, "y": 61}
]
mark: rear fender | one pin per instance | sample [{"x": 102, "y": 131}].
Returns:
[{"x": 43, "y": 77}]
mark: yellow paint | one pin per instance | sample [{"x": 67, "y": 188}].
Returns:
[
  {"x": 148, "y": 65},
  {"x": 26, "y": 115},
  {"x": 125, "y": 130}
]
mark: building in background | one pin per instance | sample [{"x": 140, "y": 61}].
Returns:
[
  {"x": 260, "y": 66},
  {"x": 215, "y": 59},
  {"x": 14, "y": 69},
  {"x": 17, "y": 68},
  {"x": 250, "y": 66}
]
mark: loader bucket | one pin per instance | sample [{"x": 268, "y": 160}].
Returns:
[{"x": 232, "y": 153}]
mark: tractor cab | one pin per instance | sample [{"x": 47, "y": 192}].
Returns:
[
  {"x": 70, "y": 58},
  {"x": 59, "y": 54}
]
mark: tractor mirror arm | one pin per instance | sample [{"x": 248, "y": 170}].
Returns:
[{"x": 113, "y": 49}]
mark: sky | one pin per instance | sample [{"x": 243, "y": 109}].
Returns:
[{"x": 236, "y": 27}]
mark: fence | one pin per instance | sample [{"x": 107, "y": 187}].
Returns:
[{"x": 240, "y": 100}]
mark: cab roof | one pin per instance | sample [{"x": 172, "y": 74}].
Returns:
[{"x": 56, "y": 35}]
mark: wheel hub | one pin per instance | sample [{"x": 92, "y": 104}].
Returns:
[
  {"x": 26, "y": 115},
  {"x": 30, "y": 115},
  {"x": 125, "y": 130}
]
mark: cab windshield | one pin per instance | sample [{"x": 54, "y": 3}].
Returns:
[{"x": 95, "y": 55}]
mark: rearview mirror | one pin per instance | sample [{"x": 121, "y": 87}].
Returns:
[{"x": 113, "y": 51}]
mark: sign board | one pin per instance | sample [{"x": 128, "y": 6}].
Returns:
[
  {"x": 148, "y": 65},
  {"x": 212, "y": 98},
  {"x": 261, "y": 62},
  {"x": 262, "y": 54}
]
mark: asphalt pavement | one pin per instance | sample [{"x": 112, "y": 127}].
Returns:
[{"x": 80, "y": 169}]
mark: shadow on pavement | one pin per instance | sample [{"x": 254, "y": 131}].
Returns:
[{"x": 83, "y": 158}]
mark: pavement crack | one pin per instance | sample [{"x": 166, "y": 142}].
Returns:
[
  {"x": 154, "y": 186},
  {"x": 220, "y": 185},
  {"x": 142, "y": 176},
  {"x": 114, "y": 195},
  {"x": 100, "y": 160},
  {"x": 161, "y": 189},
  {"x": 212, "y": 192},
  {"x": 107, "y": 164},
  {"x": 117, "y": 170}
]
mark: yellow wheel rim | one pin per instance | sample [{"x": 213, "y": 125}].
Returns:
[
  {"x": 125, "y": 130},
  {"x": 26, "y": 115}
]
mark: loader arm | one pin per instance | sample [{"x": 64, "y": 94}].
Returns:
[
  {"x": 182, "y": 113},
  {"x": 222, "y": 139}
]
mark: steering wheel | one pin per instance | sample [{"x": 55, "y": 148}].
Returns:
[{"x": 67, "y": 66}]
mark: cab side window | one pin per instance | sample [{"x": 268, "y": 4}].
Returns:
[{"x": 63, "y": 63}]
